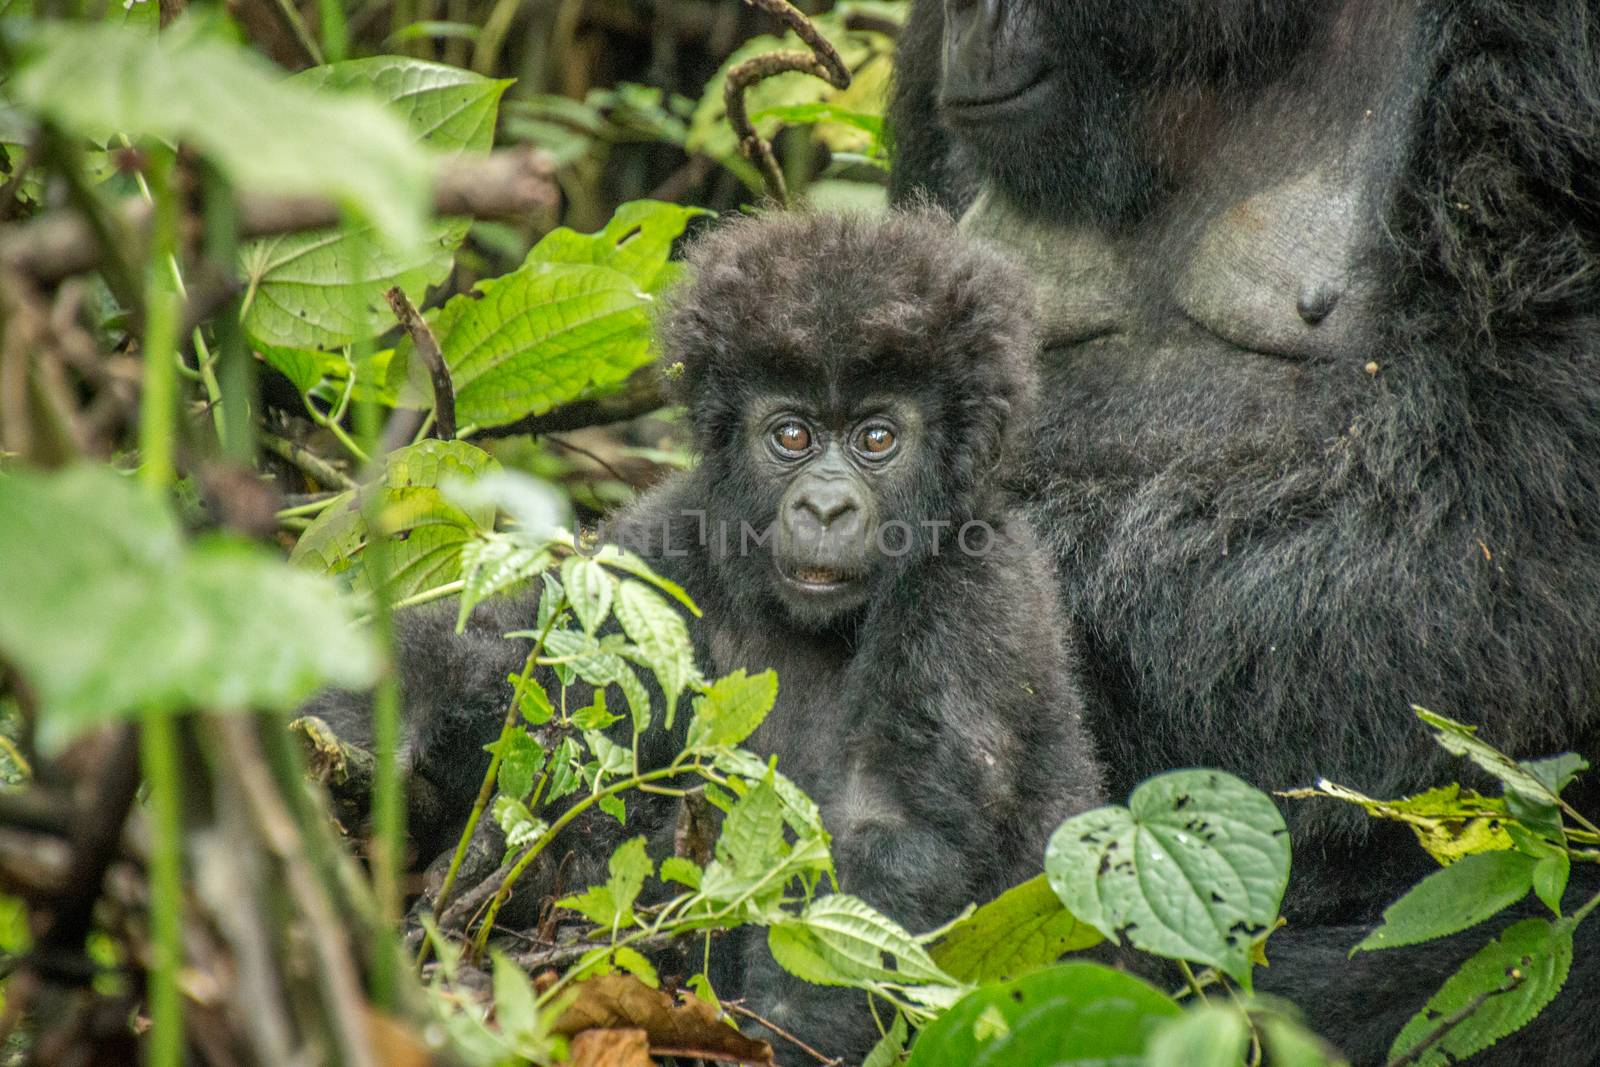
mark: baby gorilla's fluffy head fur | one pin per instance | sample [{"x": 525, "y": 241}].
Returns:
[
  {"x": 837, "y": 308},
  {"x": 858, "y": 388}
]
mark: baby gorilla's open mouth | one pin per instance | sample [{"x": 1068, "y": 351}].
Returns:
[{"x": 819, "y": 578}]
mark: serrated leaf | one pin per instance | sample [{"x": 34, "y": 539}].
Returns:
[
  {"x": 108, "y": 613},
  {"x": 583, "y": 655},
  {"x": 752, "y": 834},
  {"x": 1463, "y": 740},
  {"x": 1071, "y": 1015},
  {"x": 326, "y": 288},
  {"x": 521, "y": 759},
  {"x": 564, "y": 777},
  {"x": 1452, "y": 899},
  {"x": 1210, "y": 1036},
  {"x": 515, "y": 1003},
  {"x": 612, "y": 758},
  {"x": 1194, "y": 868},
  {"x": 1557, "y": 772},
  {"x": 191, "y": 85},
  {"x": 629, "y": 563},
  {"x": 519, "y": 824},
  {"x": 614, "y": 807},
  {"x": 1550, "y": 874},
  {"x": 1024, "y": 929},
  {"x": 890, "y": 1050},
  {"x": 590, "y": 589},
  {"x": 538, "y": 337},
  {"x": 636, "y": 241},
  {"x": 661, "y": 637},
  {"x": 611, "y": 905},
  {"x": 1533, "y": 956},
  {"x": 684, "y": 872},
  {"x": 732, "y": 708},
  {"x": 596, "y": 716},
  {"x": 630, "y": 960},
  {"x": 853, "y": 938},
  {"x": 426, "y": 532},
  {"x": 492, "y": 563}
]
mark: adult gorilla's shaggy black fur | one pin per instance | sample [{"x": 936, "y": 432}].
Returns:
[
  {"x": 936, "y": 718},
  {"x": 1276, "y": 539}
]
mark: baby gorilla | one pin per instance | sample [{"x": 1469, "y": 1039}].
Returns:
[{"x": 856, "y": 391}]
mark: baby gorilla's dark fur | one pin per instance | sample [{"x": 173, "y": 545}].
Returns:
[{"x": 929, "y": 703}]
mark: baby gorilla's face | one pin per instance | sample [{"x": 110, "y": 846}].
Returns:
[{"x": 834, "y": 487}]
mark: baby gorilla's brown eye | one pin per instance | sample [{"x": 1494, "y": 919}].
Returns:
[
  {"x": 876, "y": 440},
  {"x": 792, "y": 437}
]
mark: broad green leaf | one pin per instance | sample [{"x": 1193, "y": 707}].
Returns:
[
  {"x": 634, "y": 962},
  {"x": 1071, "y": 1015},
  {"x": 1452, "y": 899},
  {"x": 1289, "y": 1044},
  {"x": 799, "y": 810},
  {"x": 538, "y": 337},
  {"x": 636, "y": 242},
  {"x": 661, "y": 637},
  {"x": 684, "y": 872},
  {"x": 266, "y": 133},
  {"x": 1209, "y": 1036},
  {"x": 1550, "y": 874},
  {"x": 629, "y": 563},
  {"x": 1557, "y": 772},
  {"x": 732, "y": 708},
  {"x": 1450, "y": 822},
  {"x": 596, "y": 716},
  {"x": 583, "y": 654},
  {"x": 427, "y": 533},
  {"x": 1022, "y": 930},
  {"x": 812, "y": 114},
  {"x": 890, "y": 1051},
  {"x": 1532, "y": 957},
  {"x": 515, "y": 1003},
  {"x": 326, "y": 289},
  {"x": 493, "y": 563},
  {"x": 590, "y": 588},
  {"x": 615, "y": 807},
  {"x": 108, "y": 613},
  {"x": 1194, "y": 868}
]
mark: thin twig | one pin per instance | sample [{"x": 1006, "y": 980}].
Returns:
[
  {"x": 427, "y": 346},
  {"x": 738, "y": 1008},
  {"x": 561, "y": 442},
  {"x": 308, "y": 462},
  {"x": 1417, "y": 1051},
  {"x": 823, "y": 61}
]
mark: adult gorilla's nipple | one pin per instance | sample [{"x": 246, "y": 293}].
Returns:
[{"x": 1317, "y": 302}]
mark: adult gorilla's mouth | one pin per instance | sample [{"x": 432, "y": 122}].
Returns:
[{"x": 985, "y": 103}]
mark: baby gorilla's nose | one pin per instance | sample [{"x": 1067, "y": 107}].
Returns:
[{"x": 834, "y": 505}]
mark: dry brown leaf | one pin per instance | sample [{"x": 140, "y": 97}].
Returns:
[
  {"x": 395, "y": 1043},
  {"x": 611, "y": 1048},
  {"x": 685, "y": 1027}
]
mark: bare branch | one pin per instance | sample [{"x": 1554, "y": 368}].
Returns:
[
  {"x": 427, "y": 346},
  {"x": 516, "y": 184},
  {"x": 823, "y": 62}
]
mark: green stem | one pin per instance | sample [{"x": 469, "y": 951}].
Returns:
[
  {"x": 1192, "y": 981},
  {"x": 304, "y": 511},
  {"x": 159, "y": 752},
  {"x": 428, "y": 596},
  {"x": 158, "y": 402},
  {"x": 1583, "y": 912},
  {"x": 491, "y": 776}
]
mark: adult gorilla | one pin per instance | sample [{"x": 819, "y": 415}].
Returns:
[{"x": 1321, "y": 281}]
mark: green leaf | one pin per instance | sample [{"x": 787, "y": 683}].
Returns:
[
  {"x": 108, "y": 613},
  {"x": 632, "y": 961},
  {"x": 661, "y": 637},
  {"x": 684, "y": 872},
  {"x": 636, "y": 242},
  {"x": 1452, "y": 899},
  {"x": 1533, "y": 956},
  {"x": 519, "y": 824},
  {"x": 732, "y": 708},
  {"x": 1209, "y": 1036},
  {"x": 1450, "y": 822},
  {"x": 492, "y": 563},
  {"x": 1462, "y": 740},
  {"x": 564, "y": 777},
  {"x": 890, "y": 1051},
  {"x": 752, "y": 834},
  {"x": 1557, "y": 772},
  {"x": 852, "y": 938},
  {"x": 628, "y": 563},
  {"x": 1289, "y": 1044},
  {"x": 611, "y": 905},
  {"x": 326, "y": 289},
  {"x": 812, "y": 114},
  {"x": 1550, "y": 875},
  {"x": 538, "y": 337},
  {"x": 595, "y": 716},
  {"x": 1020, "y": 931},
  {"x": 264, "y": 132},
  {"x": 427, "y": 533},
  {"x": 521, "y": 759},
  {"x": 614, "y": 807},
  {"x": 515, "y": 1003},
  {"x": 1071, "y": 1015},
  {"x": 1194, "y": 868},
  {"x": 590, "y": 588}
]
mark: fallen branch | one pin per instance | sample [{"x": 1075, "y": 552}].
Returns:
[
  {"x": 514, "y": 184},
  {"x": 822, "y": 61},
  {"x": 427, "y": 347}
]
